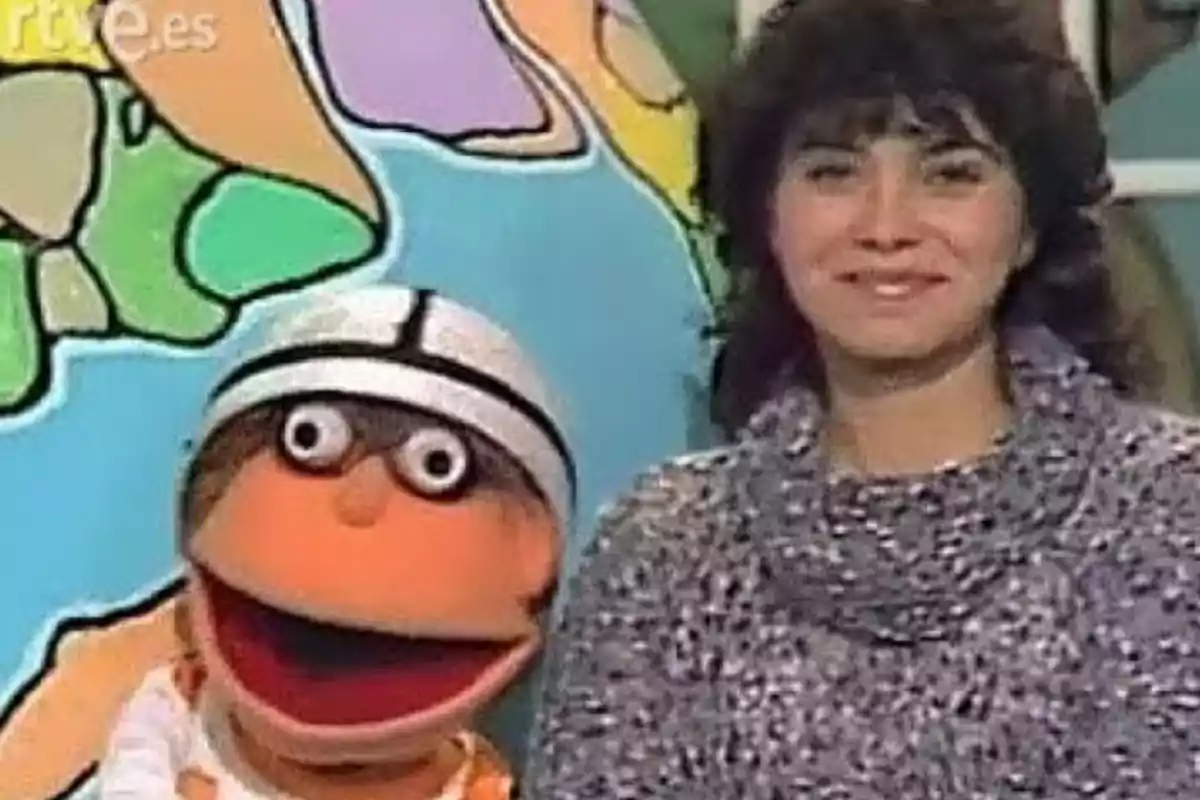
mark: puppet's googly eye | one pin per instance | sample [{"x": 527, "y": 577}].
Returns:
[
  {"x": 316, "y": 436},
  {"x": 434, "y": 461}
]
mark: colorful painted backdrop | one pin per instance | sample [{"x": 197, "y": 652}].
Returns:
[{"x": 163, "y": 188}]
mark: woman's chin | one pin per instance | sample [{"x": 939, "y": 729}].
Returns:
[{"x": 877, "y": 347}]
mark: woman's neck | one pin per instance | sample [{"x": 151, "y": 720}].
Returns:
[{"x": 911, "y": 421}]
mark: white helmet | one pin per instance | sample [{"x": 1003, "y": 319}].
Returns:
[{"x": 414, "y": 347}]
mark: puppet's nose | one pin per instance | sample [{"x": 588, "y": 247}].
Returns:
[{"x": 364, "y": 493}]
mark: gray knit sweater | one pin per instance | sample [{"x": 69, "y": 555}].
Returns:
[{"x": 747, "y": 625}]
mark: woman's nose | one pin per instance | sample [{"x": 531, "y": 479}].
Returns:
[
  {"x": 886, "y": 222},
  {"x": 363, "y": 493}
]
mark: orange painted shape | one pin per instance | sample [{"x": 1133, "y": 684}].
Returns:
[
  {"x": 239, "y": 93},
  {"x": 62, "y": 726},
  {"x": 656, "y": 141}
]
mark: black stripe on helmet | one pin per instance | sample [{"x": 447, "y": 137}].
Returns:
[
  {"x": 412, "y": 330},
  {"x": 409, "y": 356}
]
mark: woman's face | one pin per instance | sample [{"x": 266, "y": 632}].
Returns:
[{"x": 898, "y": 247}]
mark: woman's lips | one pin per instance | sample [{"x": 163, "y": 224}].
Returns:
[{"x": 892, "y": 285}]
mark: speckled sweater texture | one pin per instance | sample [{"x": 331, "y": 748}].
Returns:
[{"x": 747, "y": 624}]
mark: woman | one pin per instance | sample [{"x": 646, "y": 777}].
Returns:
[{"x": 948, "y": 556}]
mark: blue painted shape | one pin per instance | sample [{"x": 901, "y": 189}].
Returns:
[
  {"x": 576, "y": 259},
  {"x": 586, "y": 271},
  {"x": 579, "y": 264}
]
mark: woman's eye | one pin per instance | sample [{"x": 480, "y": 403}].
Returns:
[
  {"x": 960, "y": 172},
  {"x": 434, "y": 461},
  {"x": 316, "y": 436},
  {"x": 829, "y": 172}
]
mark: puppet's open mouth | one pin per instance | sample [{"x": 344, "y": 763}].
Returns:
[{"x": 323, "y": 674}]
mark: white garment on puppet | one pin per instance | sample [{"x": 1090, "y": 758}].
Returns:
[
  {"x": 158, "y": 737},
  {"x": 149, "y": 744}
]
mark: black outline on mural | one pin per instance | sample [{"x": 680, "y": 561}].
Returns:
[
  {"x": 546, "y": 83},
  {"x": 66, "y": 626},
  {"x": 581, "y": 101},
  {"x": 690, "y": 230},
  {"x": 39, "y": 381},
  {"x": 633, "y": 16},
  {"x": 599, "y": 13},
  {"x": 88, "y": 196},
  {"x": 152, "y": 120},
  {"x": 44, "y": 377},
  {"x": 111, "y": 329},
  {"x": 42, "y": 381},
  {"x": 306, "y": 81},
  {"x": 33, "y": 245},
  {"x": 456, "y": 140}
]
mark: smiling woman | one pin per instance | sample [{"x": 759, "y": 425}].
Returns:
[
  {"x": 1005, "y": 175},
  {"x": 947, "y": 554},
  {"x": 893, "y": 247}
]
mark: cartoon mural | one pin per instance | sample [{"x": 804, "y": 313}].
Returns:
[
  {"x": 154, "y": 205},
  {"x": 170, "y": 170}
]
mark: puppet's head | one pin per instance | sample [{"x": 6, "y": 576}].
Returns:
[{"x": 372, "y": 526}]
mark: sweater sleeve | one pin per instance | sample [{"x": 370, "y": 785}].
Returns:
[
  {"x": 621, "y": 713},
  {"x": 1147, "y": 633},
  {"x": 148, "y": 746}
]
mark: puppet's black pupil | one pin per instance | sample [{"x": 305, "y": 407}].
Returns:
[
  {"x": 438, "y": 464},
  {"x": 307, "y": 435}
]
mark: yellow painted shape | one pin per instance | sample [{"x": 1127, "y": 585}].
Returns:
[
  {"x": 51, "y": 32},
  {"x": 657, "y": 141}
]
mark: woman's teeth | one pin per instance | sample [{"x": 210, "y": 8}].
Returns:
[{"x": 894, "y": 287}]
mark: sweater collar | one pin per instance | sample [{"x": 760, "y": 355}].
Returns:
[{"x": 905, "y": 558}]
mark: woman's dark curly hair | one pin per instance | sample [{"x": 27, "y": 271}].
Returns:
[{"x": 847, "y": 68}]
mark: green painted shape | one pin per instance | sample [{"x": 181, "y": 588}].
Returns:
[
  {"x": 254, "y": 234},
  {"x": 147, "y": 179},
  {"x": 22, "y": 351},
  {"x": 712, "y": 271},
  {"x": 697, "y": 37}
]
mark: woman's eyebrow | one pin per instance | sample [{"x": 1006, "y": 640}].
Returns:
[
  {"x": 811, "y": 145},
  {"x": 941, "y": 145}
]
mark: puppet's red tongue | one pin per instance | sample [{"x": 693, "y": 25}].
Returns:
[{"x": 326, "y": 675}]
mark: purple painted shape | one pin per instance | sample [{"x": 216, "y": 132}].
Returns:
[{"x": 436, "y": 66}]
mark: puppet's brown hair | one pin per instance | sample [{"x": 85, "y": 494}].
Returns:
[{"x": 381, "y": 425}]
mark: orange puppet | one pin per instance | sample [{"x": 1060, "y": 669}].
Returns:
[{"x": 371, "y": 525}]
